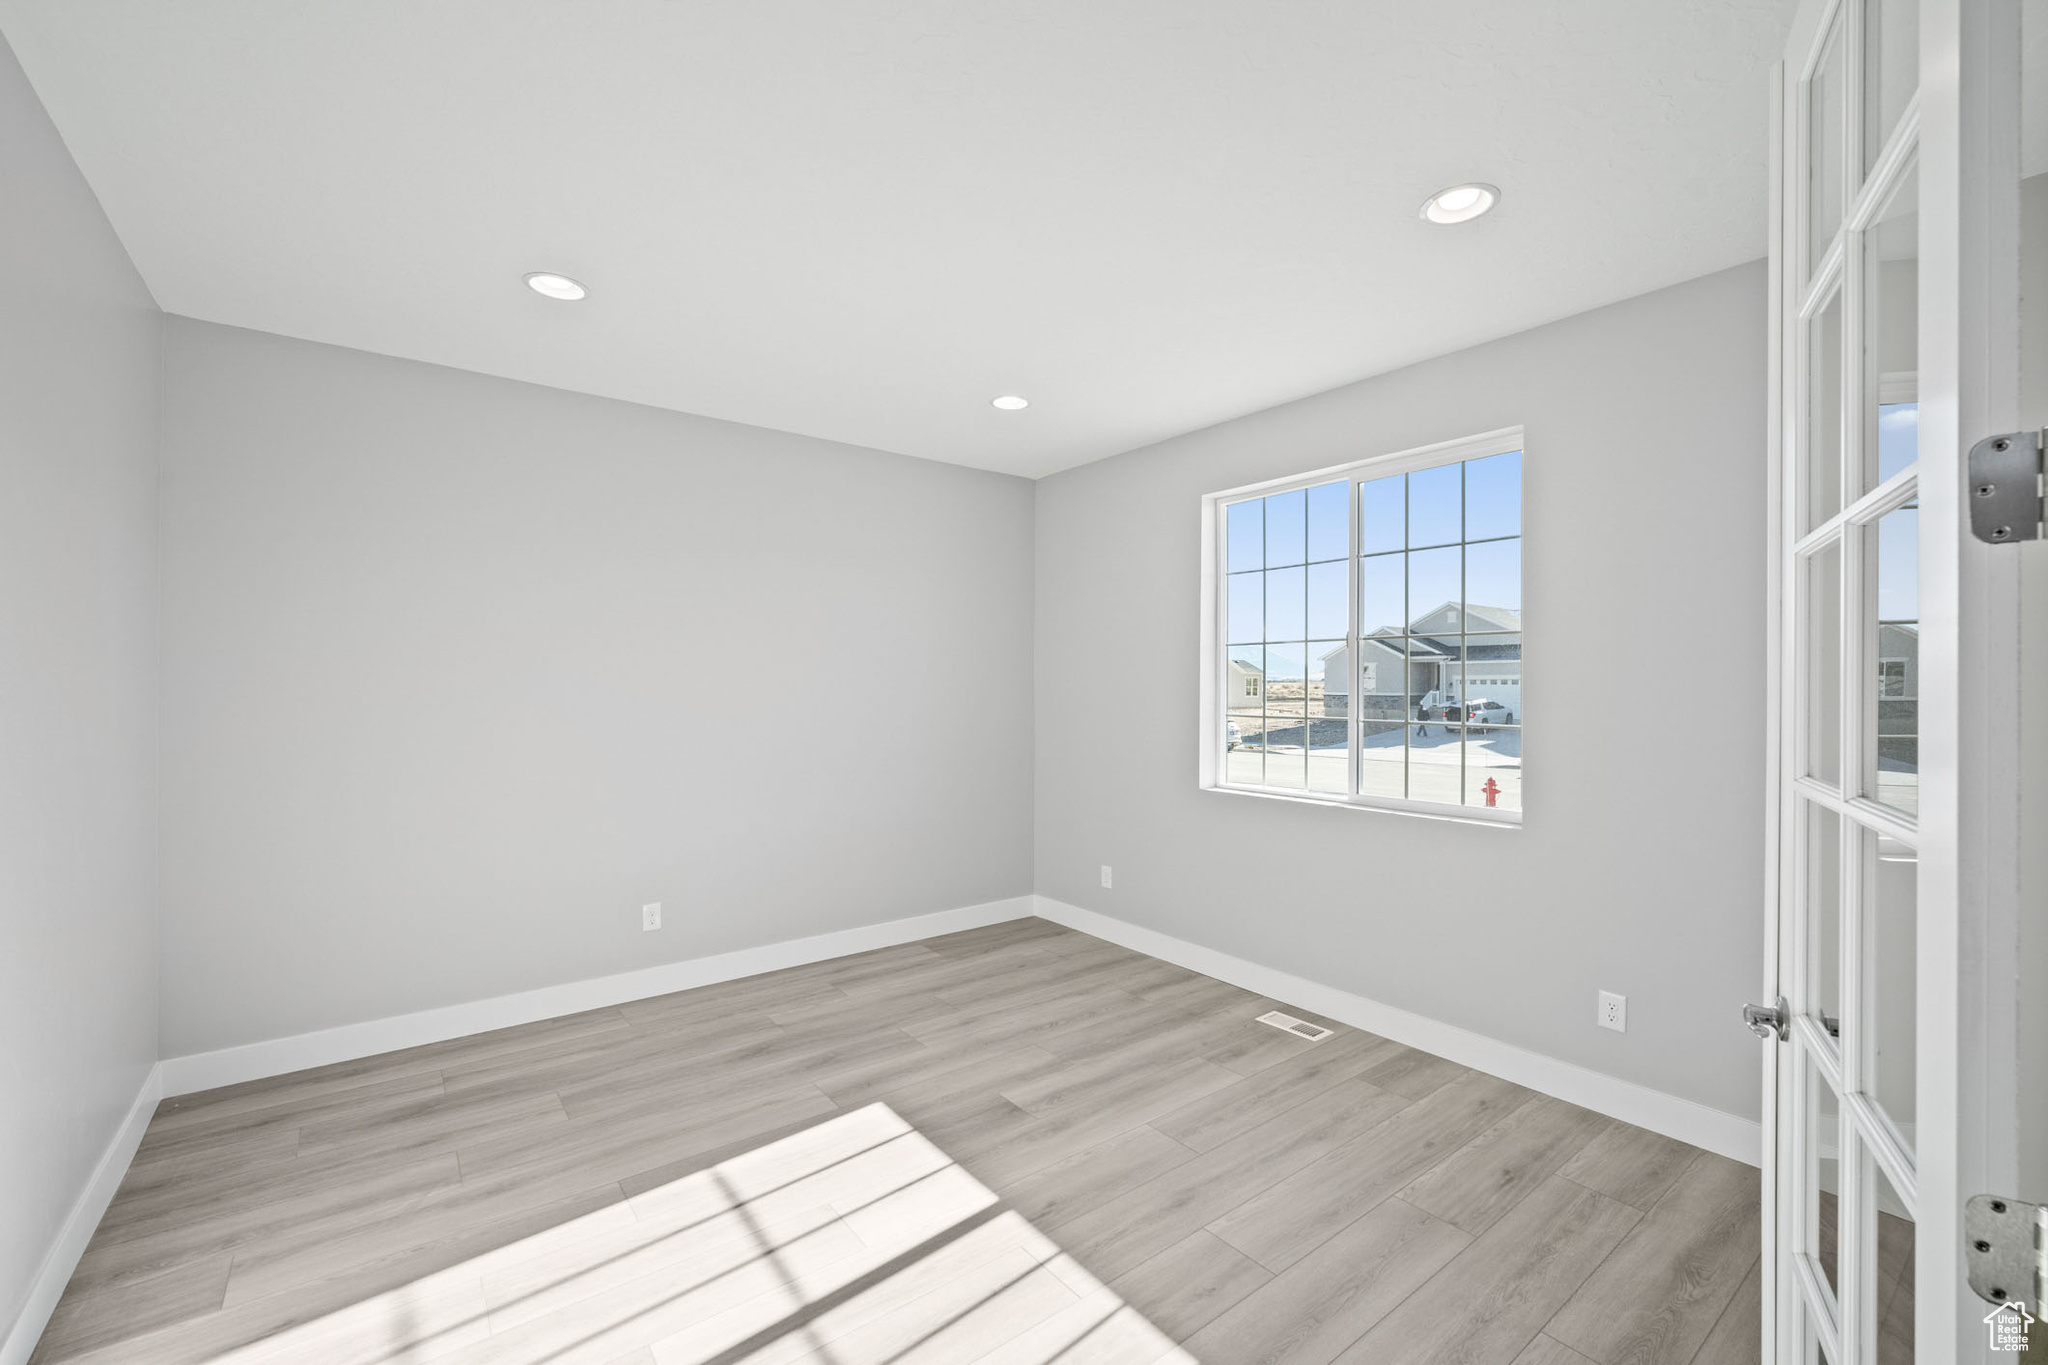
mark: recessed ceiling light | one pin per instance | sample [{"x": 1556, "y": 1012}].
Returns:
[
  {"x": 1010, "y": 402},
  {"x": 555, "y": 286},
  {"x": 1460, "y": 203}
]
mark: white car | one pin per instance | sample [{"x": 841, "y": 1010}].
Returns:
[
  {"x": 1232, "y": 736},
  {"x": 1485, "y": 711}
]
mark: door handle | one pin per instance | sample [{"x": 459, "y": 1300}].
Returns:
[{"x": 1767, "y": 1021}]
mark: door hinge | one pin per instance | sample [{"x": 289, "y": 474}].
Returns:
[
  {"x": 2005, "y": 487},
  {"x": 2005, "y": 1246},
  {"x": 1767, "y": 1021}
]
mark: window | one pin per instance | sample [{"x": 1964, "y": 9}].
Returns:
[
  {"x": 1891, "y": 678},
  {"x": 1366, "y": 624}
]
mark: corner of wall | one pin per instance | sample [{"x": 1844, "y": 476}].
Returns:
[{"x": 48, "y": 1286}]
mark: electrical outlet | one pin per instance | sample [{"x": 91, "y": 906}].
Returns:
[
  {"x": 650, "y": 916},
  {"x": 1105, "y": 876},
  {"x": 1613, "y": 1012}
]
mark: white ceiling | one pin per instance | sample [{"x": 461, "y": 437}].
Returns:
[{"x": 862, "y": 219}]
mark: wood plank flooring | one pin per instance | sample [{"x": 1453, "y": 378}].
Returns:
[{"x": 1016, "y": 1144}]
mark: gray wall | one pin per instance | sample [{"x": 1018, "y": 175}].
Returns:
[
  {"x": 80, "y": 369},
  {"x": 1640, "y": 866},
  {"x": 461, "y": 671}
]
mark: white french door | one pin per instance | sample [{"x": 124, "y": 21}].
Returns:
[{"x": 1892, "y": 913}]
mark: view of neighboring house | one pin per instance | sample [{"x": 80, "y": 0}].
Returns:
[
  {"x": 1491, "y": 645},
  {"x": 1898, "y": 662},
  {"x": 1247, "y": 684},
  {"x": 1898, "y": 713}
]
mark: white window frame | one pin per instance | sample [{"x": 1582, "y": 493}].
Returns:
[{"x": 1212, "y": 709}]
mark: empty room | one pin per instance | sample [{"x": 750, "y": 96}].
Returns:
[{"x": 821, "y": 682}]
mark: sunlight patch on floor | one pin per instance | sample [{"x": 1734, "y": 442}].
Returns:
[{"x": 853, "y": 1242}]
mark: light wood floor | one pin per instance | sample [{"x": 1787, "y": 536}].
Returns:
[{"x": 1018, "y": 1144}]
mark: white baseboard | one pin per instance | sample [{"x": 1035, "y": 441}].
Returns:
[
  {"x": 1688, "y": 1121},
  {"x": 1728, "y": 1134},
  {"x": 55, "y": 1273},
  {"x": 278, "y": 1056}
]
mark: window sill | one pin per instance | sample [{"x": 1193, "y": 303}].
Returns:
[{"x": 1423, "y": 810}]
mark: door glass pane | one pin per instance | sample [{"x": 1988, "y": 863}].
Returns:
[
  {"x": 1898, "y": 438},
  {"x": 1892, "y": 770},
  {"x": 1892, "y": 426},
  {"x": 1888, "y": 1277},
  {"x": 1891, "y": 893},
  {"x": 1822, "y": 456},
  {"x": 1823, "y": 891},
  {"x": 1824, "y": 149},
  {"x": 1891, "y": 66},
  {"x": 1821, "y": 626},
  {"x": 1821, "y": 1198}
]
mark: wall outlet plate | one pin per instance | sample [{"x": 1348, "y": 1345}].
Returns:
[
  {"x": 1613, "y": 1012},
  {"x": 650, "y": 916},
  {"x": 1105, "y": 876}
]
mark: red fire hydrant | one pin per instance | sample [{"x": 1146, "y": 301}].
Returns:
[{"x": 1492, "y": 790}]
